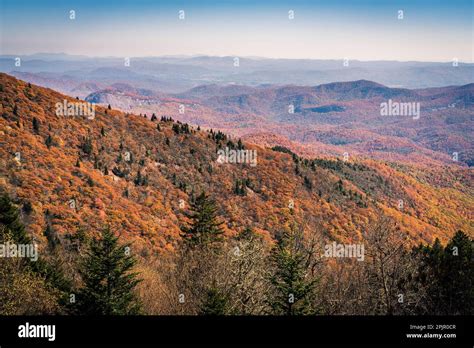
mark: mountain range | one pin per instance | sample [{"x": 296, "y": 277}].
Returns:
[
  {"x": 329, "y": 119},
  {"x": 178, "y": 74},
  {"x": 139, "y": 175}
]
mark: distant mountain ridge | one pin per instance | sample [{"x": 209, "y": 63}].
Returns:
[
  {"x": 344, "y": 115},
  {"x": 178, "y": 74}
]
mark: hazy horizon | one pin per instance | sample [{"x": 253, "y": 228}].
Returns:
[{"x": 198, "y": 55}]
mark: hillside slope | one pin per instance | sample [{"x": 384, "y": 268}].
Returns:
[{"x": 73, "y": 173}]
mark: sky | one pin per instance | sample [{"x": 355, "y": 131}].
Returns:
[{"x": 430, "y": 30}]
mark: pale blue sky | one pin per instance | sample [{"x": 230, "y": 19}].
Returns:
[{"x": 360, "y": 29}]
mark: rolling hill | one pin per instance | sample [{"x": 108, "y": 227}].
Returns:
[{"x": 138, "y": 176}]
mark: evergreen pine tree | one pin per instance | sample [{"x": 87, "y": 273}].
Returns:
[
  {"x": 108, "y": 280},
  {"x": 10, "y": 221},
  {"x": 215, "y": 302},
  {"x": 51, "y": 236},
  {"x": 292, "y": 289},
  {"x": 49, "y": 141},
  {"x": 448, "y": 275},
  {"x": 86, "y": 146},
  {"x": 138, "y": 179},
  {"x": 458, "y": 279},
  {"x": 36, "y": 125},
  {"x": 204, "y": 227}
]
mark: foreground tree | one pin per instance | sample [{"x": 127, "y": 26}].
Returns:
[
  {"x": 204, "y": 227},
  {"x": 386, "y": 281},
  {"x": 459, "y": 275},
  {"x": 246, "y": 276},
  {"x": 10, "y": 220},
  {"x": 448, "y": 275},
  {"x": 24, "y": 292},
  {"x": 292, "y": 284},
  {"x": 200, "y": 262},
  {"x": 108, "y": 281},
  {"x": 216, "y": 302},
  {"x": 27, "y": 287}
]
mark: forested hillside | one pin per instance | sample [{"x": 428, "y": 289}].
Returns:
[{"x": 147, "y": 181}]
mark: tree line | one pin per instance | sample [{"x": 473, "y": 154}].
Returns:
[{"x": 245, "y": 274}]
